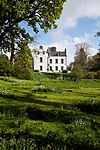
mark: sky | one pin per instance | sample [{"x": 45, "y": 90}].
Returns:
[{"x": 79, "y": 22}]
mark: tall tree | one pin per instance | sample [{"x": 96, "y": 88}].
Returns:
[
  {"x": 82, "y": 51},
  {"x": 22, "y": 65},
  {"x": 13, "y": 40},
  {"x": 98, "y": 35},
  {"x": 36, "y": 13}
]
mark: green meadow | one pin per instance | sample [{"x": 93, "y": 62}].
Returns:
[{"x": 49, "y": 114}]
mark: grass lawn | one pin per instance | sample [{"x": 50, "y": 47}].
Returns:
[{"x": 49, "y": 114}]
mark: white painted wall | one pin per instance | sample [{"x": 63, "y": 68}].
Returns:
[
  {"x": 59, "y": 64},
  {"x": 37, "y": 54},
  {"x": 41, "y": 53}
]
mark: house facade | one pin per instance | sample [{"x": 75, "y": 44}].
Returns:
[{"x": 50, "y": 60}]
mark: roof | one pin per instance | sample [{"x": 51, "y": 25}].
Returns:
[{"x": 52, "y": 52}]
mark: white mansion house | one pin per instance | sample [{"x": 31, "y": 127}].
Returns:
[{"x": 50, "y": 60}]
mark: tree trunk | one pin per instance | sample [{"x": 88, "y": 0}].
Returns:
[{"x": 12, "y": 51}]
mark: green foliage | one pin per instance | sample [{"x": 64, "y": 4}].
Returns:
[
  {"x": 90, "y": 75},
  {"x": 26, "y": 10},
  {"x": 36, "y": 70},
  {"x": 98, "y": 74},
  {"x": 42, "y": 89},
  {"x": 3, "y": 91},
  {"x": 13, "y": 40},
  {"x": 5, "y": 66},
  {"x": 59, "y": 76},
  {"x": 23, "y": 64},
  {"x": 38, "y": 13},
  {"x": 94, "y": 62},
  {"x": 21, "y": 73},
  {"x": 78, "y": 72},
  {"x": 64, "y": 71}
]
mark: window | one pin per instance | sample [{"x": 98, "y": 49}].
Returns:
[
  {"x": 56, "y": 68},
  {"x": 50, "y": 68},
  {"x": 41, "y": 59},
  {"x": 62, "y": 68},
  {"x": 50, "y": 61},
  {"x": 56, "y": 61},
  {"x": 40, "y": 68},
  {"x": 62, "y": 61}
]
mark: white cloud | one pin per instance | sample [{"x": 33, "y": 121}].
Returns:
[
  {"x": 93, "y": 51},
  {"x": 75, "y": 9},
  {"x": 68, "y": 42},
  {"x": 62, "y": 41},
  {"x": 84, "y": 38},
  {"x": 58, "y": 35},
  {"x": 69, "y": 45}
]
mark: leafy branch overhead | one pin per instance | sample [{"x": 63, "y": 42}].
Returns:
[{"x": 38, "y": 12}]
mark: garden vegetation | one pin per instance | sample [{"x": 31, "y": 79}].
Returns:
[{"x": 45, "y": 113}]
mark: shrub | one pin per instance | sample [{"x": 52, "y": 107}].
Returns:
[
  {"x": 3, "y": 91},
  {"x": 36, "y": 70},
  {"x": 90, "y": 75},
  {"x": 22, "y": 73},
  {"x": 98, "y": 74},
  {"x": 78, "y": 72},
  {"x": 5, "y": 66},
  {"x": 42, "y": 89},
  {"x": 64, "y": 71}
]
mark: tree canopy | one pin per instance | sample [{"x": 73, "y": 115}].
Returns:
[
  {"x": 36, "y": 13},
  {"x": 94, "y": 62},
  {"x": 22, "y": 65}
]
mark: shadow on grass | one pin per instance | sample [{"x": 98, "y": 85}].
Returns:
[
  {"x": 92, "y": 95},
  {"x": 65, "y": 113},
  {"x": 60, "y": 116},
  {"x": 36, "y": 113},
  {"x": 89, "y": 106},
  {"x": 30, "y": 98}
]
